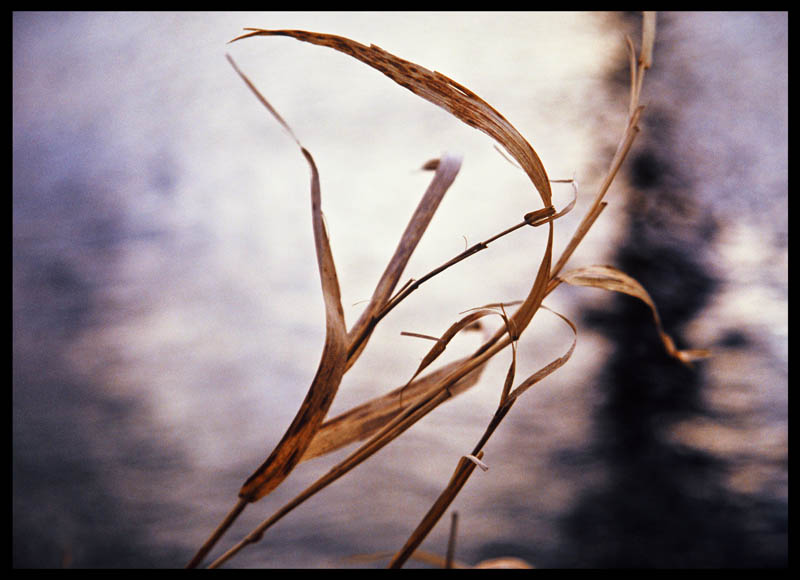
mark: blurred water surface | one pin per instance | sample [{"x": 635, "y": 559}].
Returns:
[{"x": 167, "y": 316}]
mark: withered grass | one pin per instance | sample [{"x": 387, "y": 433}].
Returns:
[{"x": 379, "y": 421}]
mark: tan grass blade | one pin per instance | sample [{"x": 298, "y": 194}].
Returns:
[
  {"x": 648, "y": 39},
  {"x": 609, "y": 278},
  {"x": 438, "y": 89},
  {"x": 450, "y": 333},
  {"x": 460, "y": 476},
  {"x": 331, "y": 368},
  {"x": 300, "y": 433},
  {"x": 393, "y": 429},
  {"x": 446, "y": 170},
  {"x": 363, "y": 421},
  {"x": 549, "y": 368}
]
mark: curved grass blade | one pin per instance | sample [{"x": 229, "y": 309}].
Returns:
[
  {"x": 552, "y": 366},
  {"x": 298, "y": 436},
  {"x": 439, "y": 90},
  {"x": 446, "y": 170},
  {"x": 331, "y": 368},
  {"x": 609, "y": 278},
  {"x": 363, "y": 421},
  {"x": 441, "y": 343},
  {"x": 460, "y": 476}
]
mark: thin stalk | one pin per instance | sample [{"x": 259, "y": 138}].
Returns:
[
  {"x": 597, "y": 206},
  {"x": 535, "y": 218},
  {"x": 217, "y": 534},
  {"x": 461, "y": 474},
  {"x": 451, "y": 541},
  {"x": 392, "y": 430}
]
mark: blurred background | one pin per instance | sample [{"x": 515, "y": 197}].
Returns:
[{"x": 167, "y": 316}]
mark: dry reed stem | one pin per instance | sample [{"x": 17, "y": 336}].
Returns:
[
  {"x": 462, "y": 472},
  {"x": 383, "y": 419},
  {"x": 446, "y": 170},
  {"x": 451, "y": 542}
]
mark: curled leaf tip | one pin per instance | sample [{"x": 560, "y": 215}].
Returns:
[
  {"x": 609, "y": 278},
  {"x": 438, "y": 89}
]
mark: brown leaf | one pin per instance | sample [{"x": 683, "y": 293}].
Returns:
[
  {"x": 438, "y": 89},
  {"x": 363, "y": 421},
  {"x": 552, "y": 366},
  {"x": 298, "y": 436},
  {"x": 446, "y": 170},
  {"x": 609, "y": 278}
]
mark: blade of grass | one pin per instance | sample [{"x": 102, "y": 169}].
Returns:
[
  {"x": 286, "y": 455},
  {"x": 332, "y": 364},
  {"x": 446, "y": 170},
  {"x": 460, "y": 476},
  {"x": 645, "y": 61},
  {"x": 363, "y": 421},
  {"x": 552, "y": 366},
  {"x": 436, "y": 88},
  {"x": 609, "y": 278}
]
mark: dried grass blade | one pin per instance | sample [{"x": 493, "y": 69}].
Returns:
[
  {"x": 363, "y": 421},
  {"x": 552, "y": 366},
  {"x": 460, "y": 476},
  {"x": 383, "y": 437},
  {"x": 524, "y": 314},
  {"x": 446, "y": 170},
  {"x": 439, "y": 90},
  {"x": 510, "y": 373},
  {"x": 609, "y": 278},
  {"x": 300, "y": 433},
  {"x": 441, "y": 344},
  {"x": 648, "y": 39},
  {"x": 625, "y": 144}
]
